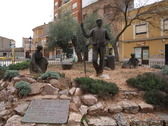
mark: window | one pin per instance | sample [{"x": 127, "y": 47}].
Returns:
[
  {"x": 165, "y": 24},
  {"x": 140, "y": 29},
  {"x": 56, "y": 3},
  {"x": 74, "y": 5}
]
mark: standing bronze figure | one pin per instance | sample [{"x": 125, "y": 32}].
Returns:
[
  {"x": 38, "y": 63},
  {"x": 99, "y": 41}
]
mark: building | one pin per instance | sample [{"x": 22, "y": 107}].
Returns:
[
  {"x": 149, "y": 41},
  {"x": 27, "y": 47},
  {"x": 5, "y": 45},
  {"x": 40, "y": 37},
  {"x": 62, "y": 6}
]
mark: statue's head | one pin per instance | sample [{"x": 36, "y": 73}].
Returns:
[
  {"x": 132, "y": 55},
  {"x": 39, "y": 47},
  {"x": 99, "y": 22}
]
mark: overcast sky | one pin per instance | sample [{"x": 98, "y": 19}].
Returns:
[{"x": 19, "y": 17}]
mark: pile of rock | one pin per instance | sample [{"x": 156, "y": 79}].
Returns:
[{"x": 82, "y": 106}]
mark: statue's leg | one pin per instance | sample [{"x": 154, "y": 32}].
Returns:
[
  {"x": 95, "y": 57},
  {"x": 102, "y": 56}
]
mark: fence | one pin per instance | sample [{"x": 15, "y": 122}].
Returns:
[{"x": 51, "y": 62}]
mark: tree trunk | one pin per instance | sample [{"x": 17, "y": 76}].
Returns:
[
  {"x": 116, "y": 52},
  {"x": 79, "y": 55}
]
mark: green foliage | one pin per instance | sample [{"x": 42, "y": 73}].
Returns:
[
  {"x": 99, "y": 87},
  {"x": 165, "y": 70},
  {"x": 156, "y": 66},
  {"x": 9, "y": 74},
  {"x": 155, "y": 97},
  {"x": 61, "y": 33},
  {"x": 3, "y": 69},
  {"x": 146, "y": 81},
  {"x": 50, "y": 75},
  {"x": 19, "y": 66},
  {"x": 23, "y": 88},
  {"x": 155, "y": 85}
]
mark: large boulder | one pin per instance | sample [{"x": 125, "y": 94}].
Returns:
[
  {"x": 62, "y": 83},
  {"x": 36, "y": 88},
  {"x": 89, "y": 99}
]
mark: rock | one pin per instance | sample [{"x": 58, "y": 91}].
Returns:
[
  {"x": 11, "y": 90},
  {"x": 89, "y": 100},
  {"x": 83, "y": 109},
  {"x": 41, "y": 97},
  {"x": 72, "y": 90},
  {"x": 64, "y": 92},
  {"x": 163, "y": 117},
  {"x": 73, "y": 107},
  {"x": 3, "y": 95},
  {"x": 62, "y": 83},
  {"x": 102, "y": 121},
  {"x": 121, "y": 120},
  {"x": 105, "y": 76},
  {"x": 50, "y": 90},
  {"x": 78, "y": 92},
  {"x": 77, "y": 100},
  {"x": 74, "y": 117},
  {"x": 65, "y": 97},
  {"x": 2, "y": 106},
  {"x": 130, "y": 107},
  {"x": 23, "y": 78},
  {"x": 97, "y": 109},
  {"x": 20, "y": 109},
  {"x": 4, "y": 112},
  {"x": 146, "y": 107},
  {"x": 114, "y": 108},
  {"x": 4, "y": 85},
  {"x": 15, "y": 120},
  {"x": 37, "y": 88},
  {"x": 130, "y": 95}
]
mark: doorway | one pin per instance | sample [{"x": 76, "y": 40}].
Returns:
[
  {"x": 145, "y": 55},
  {"x": 166, "y": 54}
]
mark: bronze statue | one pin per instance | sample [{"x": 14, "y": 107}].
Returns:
[
  {"x": 99, "y": 41},
  {"x": 133, "y": 62},
  {"x": 38, "y": 63}
]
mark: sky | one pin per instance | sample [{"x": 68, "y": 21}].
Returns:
[{"x": 19, "y": 17}]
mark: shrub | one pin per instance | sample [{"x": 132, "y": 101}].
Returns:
[
  {"x": 9, "y": 74},
  {"x": 146, "y": 81},
  {"x": 19, "y": 66},
  {"x": 23, "y": 88},
  {"x": 99, "y": 87},
  {"x": 165, "y": 70},
  {"x": 155, "y": 97},
  {"x": 50, "y": 75},
  {"x": 3, "y": 69},
  {"x": 156, "y": 66}
]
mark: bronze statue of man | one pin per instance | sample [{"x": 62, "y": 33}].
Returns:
[
  {"x": 99, "y": 41},
  {"x": 38, "y": 63}
]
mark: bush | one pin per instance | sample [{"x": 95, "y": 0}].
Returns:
[
  {"x": 23, "y": 88},
  {"x": 99, "y": 87},
  {"x": 156, "y": 66},
  {"x": 9, "y": 74},
  {"x": 155, "y": 97},
  {"x": 20, "y": 66},
  {"x": 3, "y": 69},
  {"x": 50, "y": 75},
  {"x": 146, "y": 81},
  {"x": 165, "y": 70}
]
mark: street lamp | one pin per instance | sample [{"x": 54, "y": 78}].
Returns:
[{"x": 30, "y": 41}]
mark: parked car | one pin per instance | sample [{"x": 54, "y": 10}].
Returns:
[{"x": 5, "y": 58}]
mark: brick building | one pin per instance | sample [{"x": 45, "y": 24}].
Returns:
[{"x": 62, "y": 6}]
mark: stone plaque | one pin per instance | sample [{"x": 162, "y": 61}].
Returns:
[{"x": 47, "y": 111}]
